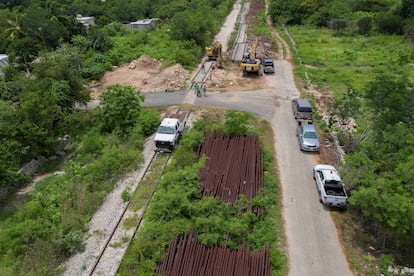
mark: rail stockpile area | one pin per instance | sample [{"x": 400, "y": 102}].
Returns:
[
  {"x": 234, "y": 166},
  {"x": 186, "y": 256}
]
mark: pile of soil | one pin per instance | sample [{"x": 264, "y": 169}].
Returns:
[
  {"x": 230, "y": 78},
  {"x": 145, "y": 74}
]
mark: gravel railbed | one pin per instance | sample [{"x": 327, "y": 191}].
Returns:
[{"x": 104, "y": 221}]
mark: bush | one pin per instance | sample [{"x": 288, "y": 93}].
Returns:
[
  {"x": 120, "y": 109},
  {"x": 364, "y": 25},
  {"x": 95, "y": 66},
  {"x": 389, "y": 24},
  {"x": 237, "y": 123},
  {"x": 125, "y": 195},
  {"x": 148, "y": 121}
]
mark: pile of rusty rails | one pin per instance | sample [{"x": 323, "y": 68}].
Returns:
[
  {"x": 234, "y": 166},
  {"x": 187, "y": 257}
]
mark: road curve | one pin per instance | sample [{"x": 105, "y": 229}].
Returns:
[{"x": 312, "y": 239}]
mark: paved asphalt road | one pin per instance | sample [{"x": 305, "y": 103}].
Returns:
[{"x": 312, "y": 241}]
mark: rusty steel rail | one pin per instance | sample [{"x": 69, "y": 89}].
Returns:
[
  {"x": 187, "y": 256},
  {"x": 234, "y": 166},
  {"x": 125, "y": 210}
]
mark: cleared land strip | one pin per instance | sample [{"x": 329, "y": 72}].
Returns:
[{"x": 107, "y": 263}]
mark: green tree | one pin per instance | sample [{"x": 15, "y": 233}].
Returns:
[
  {"x": 335, "y": 15},
  {"x": 63, "y": 67},
  {"x": 288, "y": 12},
  {"x": 389, "y": 23},
  {"x": 44, "y": 28},
  {"x": 237, "y": 123},
  {"x": 407, "y": 9},
  {"x": 15, "y": 29},
  {"x": 390, "y": 96},
  {"x": 364, "y": 25},
  {"x": 100, "y": 39},
  {"x": 23, "y": 51},
  {"x": 187, "y": 25},
  {"x": 120, "y": 109}
]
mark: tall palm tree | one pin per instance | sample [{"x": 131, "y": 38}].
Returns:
[{"x": 15, "y": 30}]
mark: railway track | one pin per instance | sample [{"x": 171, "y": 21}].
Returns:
[{"x": 109, "y": 260}]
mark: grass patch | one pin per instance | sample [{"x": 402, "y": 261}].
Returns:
[
  {"x": 147, "y": 185},
  {"x": 131, "y": 221},
  {"x": 338, "y": 62},
  {"x": 124, "y": 240}
]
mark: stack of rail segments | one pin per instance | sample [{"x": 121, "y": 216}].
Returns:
[
  {"x": 186, "y": 256},
  {"x": 233, "y": 167}
]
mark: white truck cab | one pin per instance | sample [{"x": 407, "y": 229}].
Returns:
[{"x": 169, "y": 131}]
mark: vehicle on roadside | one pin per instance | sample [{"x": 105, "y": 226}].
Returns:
[
  {"x": 330, "y": 187},
  {"x": 308, "y": 138},
  {"x": 169, "y": 131},
  {"x": 302, "y": 110},
  {"x": 268, "y": 66}
]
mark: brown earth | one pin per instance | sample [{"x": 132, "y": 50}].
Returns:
[
  {"x": 145, "y": 74},
  {"x": 150, "y": 75}
]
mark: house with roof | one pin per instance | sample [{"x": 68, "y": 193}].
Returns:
[
  {"x": 86, "y": 21},
  {"x": 4, "y": 62},
  {"x": 144, "y": 23}
]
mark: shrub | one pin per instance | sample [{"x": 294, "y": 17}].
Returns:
[
  {"x": 364, "y": 25},
  {"x": 389, "y": 24},
  {"x": 148, "y": 121},
  {"x": 125, "y": 195}
]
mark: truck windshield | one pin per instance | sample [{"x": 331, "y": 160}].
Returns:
[{"x": 166, "y": 130}]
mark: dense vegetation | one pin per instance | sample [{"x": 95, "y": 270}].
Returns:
[
  {"x": 53, "y": 57},
  {"x": 49, "y": 224},
  {"x": 364, "y": 16},
  {"x": 178, "y": 206},
  {"x": 362, "y": 52}
]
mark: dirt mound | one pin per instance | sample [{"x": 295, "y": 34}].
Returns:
[
  {"x": 231, "y": 79},
  {"x": 145, "y": 74}
]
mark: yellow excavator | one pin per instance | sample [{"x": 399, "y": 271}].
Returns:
[
  {"x": 251, "y": 64},
  {"x": 213, "y": 52}
]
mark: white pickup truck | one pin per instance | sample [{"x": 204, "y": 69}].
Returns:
[
  {"x": 330, "y": 187},
  {"x": 169, "y": 131}
]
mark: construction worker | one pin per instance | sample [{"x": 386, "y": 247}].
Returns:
[
  {"x": 195, "y": 85},
  {"x": 204, "y": 87},
  {"x": 198, "y": 91},
  {"x": 203, "y": 68}
]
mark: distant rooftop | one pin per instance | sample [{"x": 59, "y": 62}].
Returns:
[
  {"x": 144, "y": 23},
  {"x": 87, "y": 21},
  {"x": 4, "y": 61}
]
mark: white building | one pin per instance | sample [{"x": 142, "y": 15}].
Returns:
[
  {"x": 86, "y": 21},
  {"x": 4, "y": 62},
  {"x": 144, "y": 23}
]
